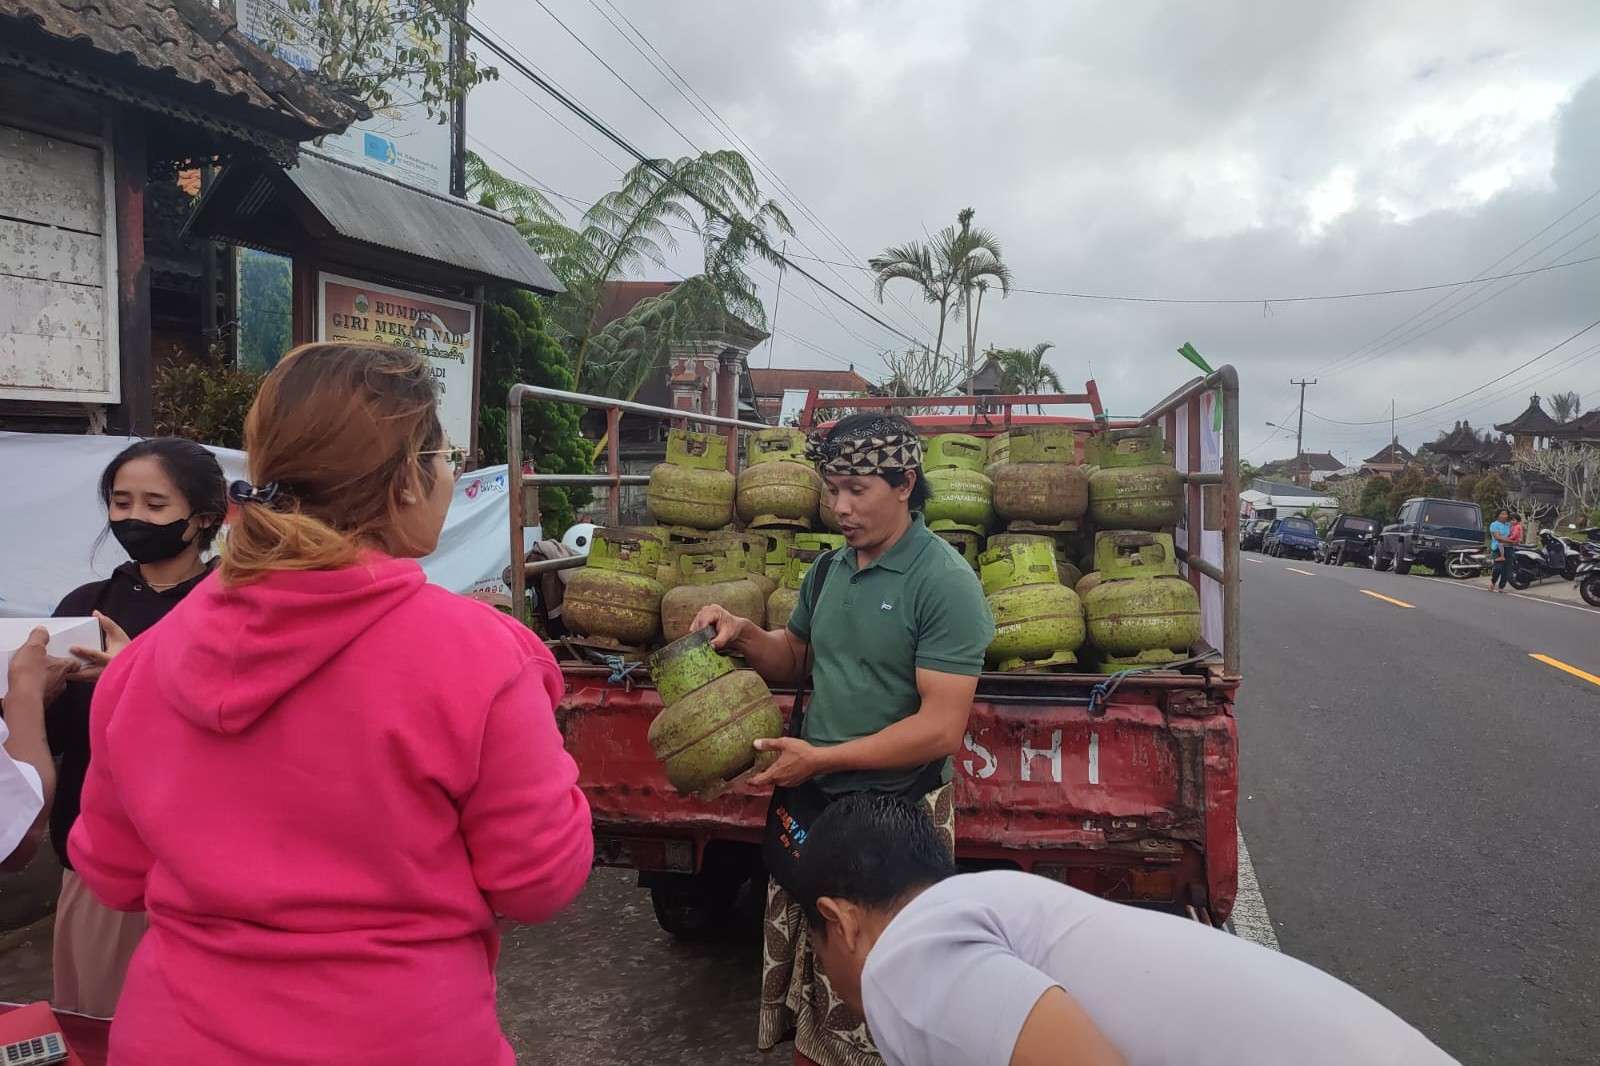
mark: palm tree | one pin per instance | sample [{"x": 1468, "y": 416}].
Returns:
[
  {"x": 919, "y": 264},
  {"x": 713, "y": 195},
  {"x": 1566, "y": 406},
  {"x": 1023, "y": 371},
  {"x": 977, "y": 260},
  {"x": 953, "y": 269}
]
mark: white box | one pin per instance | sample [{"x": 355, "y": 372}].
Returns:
[{"x": 64, "y": 633}]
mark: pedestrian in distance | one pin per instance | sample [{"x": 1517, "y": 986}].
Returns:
[
  {"x": 892, "y": 629},
  {"x": 1009, "y": 969},
  {"x": 1503, "y": 539},
  {"x": 165, "y": 500},
  {"x": 324, "y": 778}
]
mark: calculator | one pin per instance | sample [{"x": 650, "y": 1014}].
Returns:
[{"x": 34, "y": 1051}]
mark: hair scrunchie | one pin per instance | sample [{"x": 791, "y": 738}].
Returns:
[{"x": 244, "y": 492}]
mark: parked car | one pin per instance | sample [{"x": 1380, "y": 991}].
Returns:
[
  {"x": 1251, "y": 533},
  {"x": 1426, "y": 532},
  {"x": 1291, "y": 538},
  {"x": 1349, "y": 539}
]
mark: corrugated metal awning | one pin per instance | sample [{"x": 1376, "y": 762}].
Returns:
[{"x": 244, "y": 204}]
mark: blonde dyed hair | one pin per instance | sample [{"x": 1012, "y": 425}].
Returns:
[{"x": 339, "y": 428}]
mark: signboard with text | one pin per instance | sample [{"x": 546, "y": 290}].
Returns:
[
  {"x": 441, "y": 330},
  {"x": 399, "y": 141}
]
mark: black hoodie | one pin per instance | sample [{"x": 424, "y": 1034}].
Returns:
[{"x": 128, "y": 601}]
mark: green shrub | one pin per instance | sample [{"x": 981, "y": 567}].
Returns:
[
  {"x": 518, "y": 348},
  {"x": 204, "y": 403}
]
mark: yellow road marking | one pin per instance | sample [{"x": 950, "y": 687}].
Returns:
[
  {"x": 1559, "y": 665},
  {"x": 1388, "y": 599},
  {"x": 1292, "y": 570}
]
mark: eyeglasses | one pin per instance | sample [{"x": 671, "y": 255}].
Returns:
[{"x": 456, "y": 457}]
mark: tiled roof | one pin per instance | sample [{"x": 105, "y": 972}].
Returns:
[
  {"x": 777, "y": 382},
  {"x": 1310, "y": 460},
  {"x": 1532, "y": 421},
  {"x": 1586, "y": 427},
  {"x": 1392, "y": 454},
  {"x": 183, "y": 46}
]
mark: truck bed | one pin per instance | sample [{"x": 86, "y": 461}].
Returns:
[{"x": 1135, "y": 801}]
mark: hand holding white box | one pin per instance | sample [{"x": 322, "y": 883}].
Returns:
[{"x": 64, "y": 633}]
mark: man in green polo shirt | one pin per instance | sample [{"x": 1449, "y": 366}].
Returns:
[{"x": 895, "y": 637}]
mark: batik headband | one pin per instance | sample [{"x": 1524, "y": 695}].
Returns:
[{"x": 885, "y": 447}]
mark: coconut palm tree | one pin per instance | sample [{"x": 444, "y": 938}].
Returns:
[
  {"x": 1023, "y": 371},
  {"x": 953, "y": 270},
  {"x": 979, "y": 265},
  {"x": 1566, "y": 406}
]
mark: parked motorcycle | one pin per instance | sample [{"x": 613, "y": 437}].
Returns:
[
  {"x": 1463, "y": 563},
  {"x": 1555, "y": 558},
  {"x": 1588, "y": 575}
]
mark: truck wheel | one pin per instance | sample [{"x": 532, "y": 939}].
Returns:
[
  {"x": 1401, "y": 565},
  {"x": 695, "y": 907},
  {"x": 1380, "y": 561},
  {"x": 1337, "y": 558}
]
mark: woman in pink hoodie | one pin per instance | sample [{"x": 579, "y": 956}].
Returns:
[{"x": 322, "y": 777}]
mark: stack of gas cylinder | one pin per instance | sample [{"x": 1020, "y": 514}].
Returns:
[
  {"x": 1112, "y": 516},
  {"x": 717, "y": 539},
  {"x": 1075, "y": 552}
]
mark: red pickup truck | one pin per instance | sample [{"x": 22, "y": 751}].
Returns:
[{"x": 1126, "y": 786}]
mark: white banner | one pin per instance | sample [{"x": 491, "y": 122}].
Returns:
[{"x": 50, "y": 487}]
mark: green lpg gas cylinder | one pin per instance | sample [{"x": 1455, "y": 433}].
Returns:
[
  {"x": 713, "y": 714},
  {"x": 1039, "y": 622},
  {"x": 1041, "y": 483},
  {"x": 715, "y": 572},
  {"x": 616, "y": 596},
  {"x": 693, "y": 487},
  {"x": 779, "y": 488}
]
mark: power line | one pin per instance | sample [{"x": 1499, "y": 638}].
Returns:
[
  {"x": 1378, "y": 340},
  {"x": 579, "y": 203},
  {"x": 715, "y": 120},
  {"x": 655, "y": 166},
  {"x": 1436, "y": 322},
  {"x": 1469, "y": 392},
  {"x": 625, "y": 83},
  {"x": 1303, "y": 299}
]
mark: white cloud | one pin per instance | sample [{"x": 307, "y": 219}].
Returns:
[{"x": 1225, "y": 149}]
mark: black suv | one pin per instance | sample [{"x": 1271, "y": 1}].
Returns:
[
  {"x": 1426, "y": 532},
  {"x": 1349, "y": 539}
]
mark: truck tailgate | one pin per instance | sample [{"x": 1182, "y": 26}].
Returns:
[{"x": 1135, "y": 803}]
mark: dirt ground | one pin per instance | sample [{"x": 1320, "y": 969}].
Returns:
[{"x": 601, "y": 985}]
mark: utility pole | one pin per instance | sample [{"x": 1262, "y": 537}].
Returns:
[
  {"x": 1299, "y": 430},
  {"x": 458, "y": 109},
  {"x": 1393, "y": 439}
]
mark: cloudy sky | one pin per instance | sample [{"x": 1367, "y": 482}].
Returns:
[{"x": 1239, "y": 151}]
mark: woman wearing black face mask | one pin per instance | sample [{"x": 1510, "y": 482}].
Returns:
[{"x": 165, "y": 500}]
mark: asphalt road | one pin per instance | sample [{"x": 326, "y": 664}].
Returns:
[{"x": 1422, "y": 800}]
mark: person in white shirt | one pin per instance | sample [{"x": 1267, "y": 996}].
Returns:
[
  {"x": 1000, "y": 968},
  {"x": 27, "y": 772}
]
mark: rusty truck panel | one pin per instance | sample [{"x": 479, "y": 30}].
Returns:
[{"x": 1135, "y": 801}]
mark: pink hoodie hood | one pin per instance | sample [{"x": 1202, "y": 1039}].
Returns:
[{"x": 249, "y": 646}]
